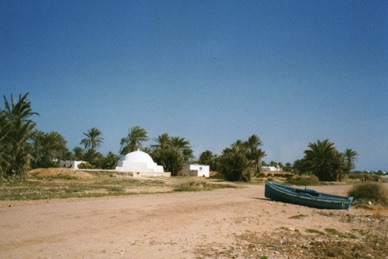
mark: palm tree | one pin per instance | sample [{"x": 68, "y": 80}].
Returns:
[
  {"x": 253, "y": 142},
  {"x": 255, "y": 154},
  {"x": 188, "y": 154},
  {"x": 256, "y": 157},
  {"x": 162, "y": 142},
  {"x": 288, "y": 167},
  {"x": 206, "y": 158},
  {"x": 110, "y": 161},
  {"x": 78, "y": 153},
  {"x": 234, "y": 164},
  {"x": 178, "y": 143},
  {"x": 147, "y": 150},
  {"x": 4, "y": 129},
  {"x": 16, "y": 130},
  {"x": 48, "y": 149},
  {"x": 92, "y": 141},
  {"x": 239, "y": 145},
  {"x": 132, "y": 142},
  {"x": 323, "y": 160},
  {"x": 160, "y": 149},
  {"x": 172, "y": 153},
  {"x": 182, "y": 146},
  {"x": 350, "y": 156}
]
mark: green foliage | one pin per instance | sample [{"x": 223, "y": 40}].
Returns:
[
  {"x": 234, "y": 164},
  {"x": 366, "y": 192},
  {"x": 350, "y": 156},
  {"x": 78, "y": 153},
  {"x": 15, "y": 132},
  {"x": 171, "y": 160},
  {"x": 132, "y": 142},
  {"x": 303, "y": 180},
  {"x": 173, "y": 153},
  {"x": 95, "y": 156},
  {"x": 48, "y": 149},
  {"x": 241, "y": 160},
  {"x": 254, "y": 153},
  {"x": 92, "y": 141},
  {"x": 365, "y": 177},
  {"x": 325, "y": 161},
  {"x": 85, "y": 166},
  {"x": 287, "y": 167},
  {"x": 182, "y": 146},
  {"x": 217, "y": 175},
  {"x": 110, "y": 161},
  {"x": 208, "y": 158}
]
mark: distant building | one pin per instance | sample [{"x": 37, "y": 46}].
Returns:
[
  {"x": 197, "y": 170},
  {"x": 271, "y": 168},
  {"x": 73, "y": 164}
]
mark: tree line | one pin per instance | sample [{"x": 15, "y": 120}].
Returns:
[{"x": 23, "y": 146}]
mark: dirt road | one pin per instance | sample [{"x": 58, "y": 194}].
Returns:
[{"x": 225, "y": 223}]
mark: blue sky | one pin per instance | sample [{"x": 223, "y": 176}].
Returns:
[{"x": 291, "y": 72}]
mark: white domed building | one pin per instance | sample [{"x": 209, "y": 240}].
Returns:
[{"x": 140, "y": 164}]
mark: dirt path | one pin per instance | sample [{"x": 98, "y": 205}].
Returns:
[{"x": 223, "y": 223}]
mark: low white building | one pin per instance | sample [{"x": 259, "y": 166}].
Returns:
[
  {"x": 271, "y": 168},
  {"x": 140, "y": 164},
  {"x": 73, "y": 164},
  {"x": 197, "y": 170}
]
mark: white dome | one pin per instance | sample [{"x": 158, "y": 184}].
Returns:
[
  {"x": 138, "y": 157},
  {"x": 138, "y": 161}
]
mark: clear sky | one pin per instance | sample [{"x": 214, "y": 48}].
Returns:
[{"x": 211, "y": 71}]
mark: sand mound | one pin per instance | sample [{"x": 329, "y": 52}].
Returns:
[{"x": 59, "y": 172}]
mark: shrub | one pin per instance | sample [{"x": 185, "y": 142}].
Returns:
[
  {"x": 365, "y": 177},
  {"x": 216, "y": 175},
  {"x": 304, "y": 180},
  {"x": 234, "y": 166},
  {"x": 85, "y": 166},
  {"x": 364, "y": 193}
]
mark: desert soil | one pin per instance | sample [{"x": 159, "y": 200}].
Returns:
[{"x": 225, "y": 223}]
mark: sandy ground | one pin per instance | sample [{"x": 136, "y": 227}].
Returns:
[{"x": 226, "y": 223}]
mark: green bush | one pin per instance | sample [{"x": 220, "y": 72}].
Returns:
[
  {"x": 364, "y": 193},
  {"x": 217, "y": 175},
  {"x": 304, "y": 180},
  {"x": 85, "y": 166},
  {"x": 365, "y": 177}
]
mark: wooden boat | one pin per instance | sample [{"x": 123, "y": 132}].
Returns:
[{"x": 306, "y": 197}]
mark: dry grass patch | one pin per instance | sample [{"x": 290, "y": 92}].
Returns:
[
  {"x": 63, "y": 173},
  {"x": 59, "y": 183}
]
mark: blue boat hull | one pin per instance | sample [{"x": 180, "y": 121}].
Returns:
[{"x": 306, "y": 197}]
